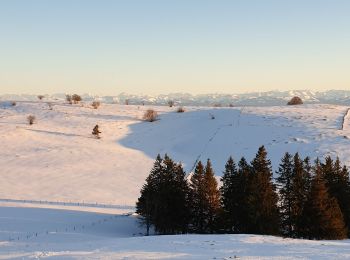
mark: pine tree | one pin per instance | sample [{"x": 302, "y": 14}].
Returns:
[
  {"x": 197, "y": 194},
  {"x": 337, "y": 182},
  {"x": 262, "y": 203},
  {"x": 284, "y": 180},
  {"x": 244, "y": 193},
  {"x": 212, "y": 196},
  {"x": 146, "y": 205},
  {"x": 205, "y": 199},
  {"x": 229, "y": 197},
  {"x": 322, "y": 216},
  {"x": 96, "y": 131},
  {"x": 164, "y": 198}
]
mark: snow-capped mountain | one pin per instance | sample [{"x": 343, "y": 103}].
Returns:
[{"x": 270, "y": 98}]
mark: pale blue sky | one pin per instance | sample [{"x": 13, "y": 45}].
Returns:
[{"x": 147, "y": 46}]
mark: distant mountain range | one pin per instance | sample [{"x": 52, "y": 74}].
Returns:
[{"x": 270, "y": 98}]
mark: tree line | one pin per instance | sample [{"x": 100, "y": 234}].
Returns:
[{"x": 306, "y": 200}]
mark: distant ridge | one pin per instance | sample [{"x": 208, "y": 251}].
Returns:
[{"x": 270, "y": 98}]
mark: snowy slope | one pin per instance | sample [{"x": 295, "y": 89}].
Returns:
[
  {"x": 27, "y": 233},
  {"x": 57, "y": 159},
  {"x": 63, "y": 192}
]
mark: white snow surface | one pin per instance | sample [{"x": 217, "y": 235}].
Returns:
[
  {"x": 34, "y": 233},
  {"x": 56, "y": 178}
]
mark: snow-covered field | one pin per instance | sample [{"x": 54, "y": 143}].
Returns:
[
  {"x": 56, "y": 177},
  {"x": 32, "y": 233}
]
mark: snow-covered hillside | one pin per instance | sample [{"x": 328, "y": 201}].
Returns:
[
  {"x": 57, "y": 159},
  {"x": 66, "y": 194}
]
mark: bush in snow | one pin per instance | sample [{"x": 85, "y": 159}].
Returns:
[
  {"x": 13, "y": 103},
  {"x": 127, "y": 101},
  {"x": 180, "y": 110},
  {"x": 76, "y": 98},
  {"x": 95, "y": 104},
  {"x": 40, "y": 97},
  {"x": 150, "y": 115},
  {"x": 31, "y": 119},
  {"x": 69, "y": 98},
  {"x": 295, "y": 101},
  {"x": 171, "y": 103}
]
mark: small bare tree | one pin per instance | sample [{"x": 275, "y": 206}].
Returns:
[
  {"x": 69, "y": 98},
  {"x": 180, "y": 109},
  {"x": 76, "y": 98},
  {"x": 96, "y": 132},
  {"x": 150, "y": 115},
  {"x": 31, "y": 119},
  {"x": 171, "y": 103},
  {"x": 95, "y": 104},
  {"x": 40, "y": 97}
]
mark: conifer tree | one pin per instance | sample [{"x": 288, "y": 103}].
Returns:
[
  {"x": 197, "y": 186},
  {"x": 262, "y": 203},
  {"x": 284, "y": 180},
  {"x": 299, "y": 192},
  {"x": 337, "y": 182},
  {"x": 96, "y": 132},
  {"x": 205, "y": 199},
  {"x": 212, "y": 196},
  {"x": 164, "y": 198},
  {"x": 244, "y": 193},
  {"x": 229, "y": 196},
  {"x": 147, "y": 202},
  {"x": 322, "y": 216}
]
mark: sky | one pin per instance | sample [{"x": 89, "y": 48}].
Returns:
[{"x": 164, "y": 46}]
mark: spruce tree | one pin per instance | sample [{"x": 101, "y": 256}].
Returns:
[
  {"x": 337, "y": 182},
  {"x": 229, "y": 196},
  {"x": 146, "y": 205},
  {"x": 299, "y": 192},
  {"x": 205, "y": 199},
  {"x": 262, "y": 203},
  {"x": 212, "y": 196},
  {"x": 197, "y": 196},
  {"x": 164, "y": 198},
  {"x": 284, "y": 180},
  {"x": 322, "y": 216}
]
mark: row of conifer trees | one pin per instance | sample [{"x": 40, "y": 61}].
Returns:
[{"x": 305, "y": 200}]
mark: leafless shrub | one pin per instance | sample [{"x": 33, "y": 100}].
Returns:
[
  {"x": 69, "y": 98},
  {"x": 95, "y": 104},
  {"x": 180, "y": 110},
  {"x": 31, "y": 119},
  {"x": 127, "y": 101},
  {"x": 13, "y": 103},
  {"x": 171, "y": 103},
  {"x": 76, "y": 98},
  {"x": 231, "y": 105},
  {"x": 295, "y": 101},
  {"x": 150, "y": 115},
  {"x": 217, "y": 105},
  {"x": 40, "y": 97}
]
